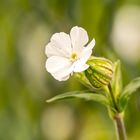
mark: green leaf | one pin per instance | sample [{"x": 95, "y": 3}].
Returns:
[
  {"x": 131, "y": 87},
  {"x": 82, "y": 95},
  {"x": 117, "y": 79},
  {"x": 127, "y": 92}
]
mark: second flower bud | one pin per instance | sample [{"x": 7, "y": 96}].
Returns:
[{"x": 100, "y": 71}]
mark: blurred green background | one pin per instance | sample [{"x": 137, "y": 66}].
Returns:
[{"x": 25, "y": 28}]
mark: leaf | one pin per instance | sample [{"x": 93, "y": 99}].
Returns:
[
  {"x": 131, "y": 87},
  {"x": 117, "y": 79},
  {"x": 81, "y": 94},
  {"x": 128, "y": 90}
]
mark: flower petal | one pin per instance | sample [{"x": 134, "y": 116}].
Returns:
[
  {"x": 59, "y": 67},
  {"x": 91, "y": 45},
  {"x": 61, "y": 42},
  {"x": 63, "y": 74},
  {"x": 79, "y": 66},
  {"x": 79, "y": 38},
  {"x": 87, "y": 51},
  {"x": 55, "y": 63},
  {"x": 57, "y": 77},
  {"x": 52, "y": 50}
]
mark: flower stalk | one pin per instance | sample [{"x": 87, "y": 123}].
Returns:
[
  {"x": 113, "y": 98},
  {"x": 120, "y": 128},
  {"x": 118, "y": 118}
]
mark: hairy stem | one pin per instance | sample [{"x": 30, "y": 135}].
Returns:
[{"x": 120, "y": 128}]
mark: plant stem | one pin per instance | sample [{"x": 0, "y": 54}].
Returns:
[
  {"x": 119, "y": 124},
  {"x": 113, "y": 98},
  {"x": 120, "y": 128}
]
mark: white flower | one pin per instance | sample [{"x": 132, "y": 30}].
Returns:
[{"x": 68, "y": 53}]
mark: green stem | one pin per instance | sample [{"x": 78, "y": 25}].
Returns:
[
  {"x": 113, "y": 98},
  {"x": 120, "y": 128},
  {"x": 119, "y": 124}
]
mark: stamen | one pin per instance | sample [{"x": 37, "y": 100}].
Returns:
[{"x": 73, "y": 56}]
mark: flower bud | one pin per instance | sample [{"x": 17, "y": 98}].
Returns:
[{"x": 100, "y": 71}]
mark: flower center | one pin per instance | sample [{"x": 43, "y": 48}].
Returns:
[{"x": 73, "y": 57}]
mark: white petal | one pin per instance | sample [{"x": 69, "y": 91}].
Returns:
[
  {"x": 55, "y": 63},
  {"x": 91, "y": 45},
  {"x": 87, "y": 51},
  {"x": 51, "y": 49},
  {"x": 79, "y": 66},
  {"x": 79, "y": 38},
  {"x": 63, "y": 74},
  {"x": 57, "y": 77},
  {"x": 59, "y": 67},
  {"x": 62, "y": 43}
]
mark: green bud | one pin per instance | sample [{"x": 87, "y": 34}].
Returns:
[{"x": 100, "y": 71}]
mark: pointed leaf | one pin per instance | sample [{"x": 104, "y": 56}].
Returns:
[
  {"x": 117, "y": 79},
  {"x": 127, "y": 92},
  {"x": 131, "y": 87},
  {"x": 81, "y": 94}
]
